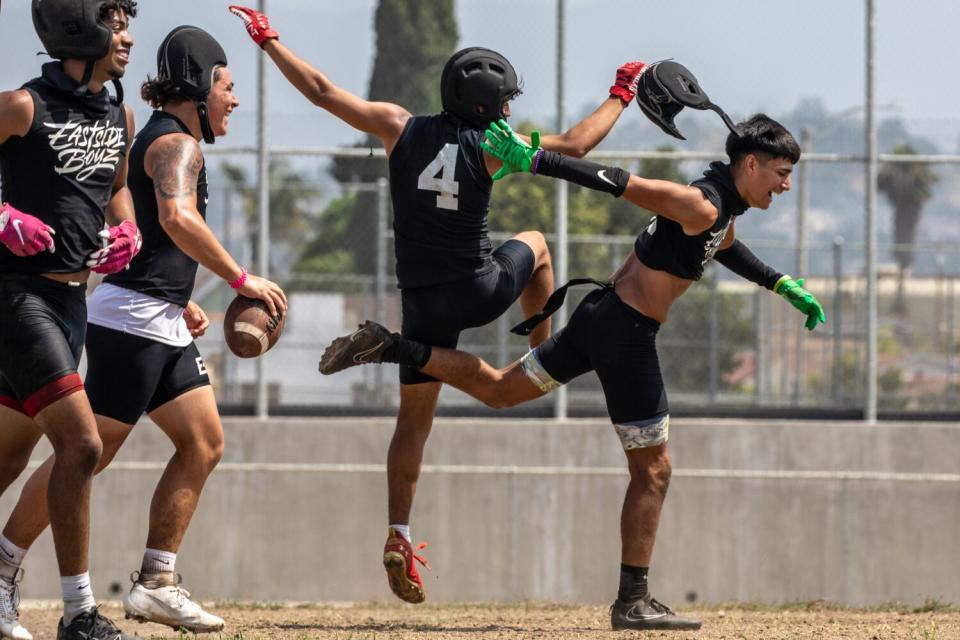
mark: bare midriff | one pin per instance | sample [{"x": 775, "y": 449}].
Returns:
[
  {"x": 78, "y": 276},
  {"x": 647, "y": 290}
]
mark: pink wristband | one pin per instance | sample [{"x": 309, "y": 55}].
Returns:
[{"x": 242, "y": 280}]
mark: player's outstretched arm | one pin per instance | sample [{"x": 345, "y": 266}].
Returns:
[
  {"x": 681, "y": 203},
  {"x": 589, "y": 132},
  {"x": 738, "y": 258},
  {"x": 384, "y": 120},
  {"x": 174, "y": 162}
]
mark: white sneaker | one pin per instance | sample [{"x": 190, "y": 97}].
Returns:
[
  {"x": 158, "y": 597},
  {"x": 10, "y": 626}
]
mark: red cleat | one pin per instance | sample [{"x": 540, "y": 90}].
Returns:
[{"x": 398, "y": 560}]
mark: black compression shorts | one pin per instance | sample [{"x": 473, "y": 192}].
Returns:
[
  {"x": 618, "y": 342},
  {"x": 437, "y": 315},
  {"x": 128, "y": 375},
  {"x": 42, "y": 325}
]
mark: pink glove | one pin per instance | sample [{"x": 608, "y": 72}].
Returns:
[
  {"x": 122, "y": 243},
  {"x": 24, "y": 234},
  {"x": 258, "y": 25},
  {"x": 628, "y": 77}
]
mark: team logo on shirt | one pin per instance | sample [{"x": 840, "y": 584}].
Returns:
[
  {"x": 84, "y": 148},
  {"x": 713, "y": 243}
]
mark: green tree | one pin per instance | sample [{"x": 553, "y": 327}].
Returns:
[
  {"x": 414, "y": 41},
  {"x": 908, "y": 187},
  {"x": 292, "y": 204}
]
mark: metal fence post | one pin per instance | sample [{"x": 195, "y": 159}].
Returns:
[
  {"x": 759, "y": 349},
  {"x": 714, "y": 359},
  {"x": 561, "y": 260},
  {"x": 380, "y": 302},
  {"x": 263, "y": 207},
  {"x": 803, "y": 204},
  {"x": 870, "y": 397},
  {"x": 836, "y": 317}
]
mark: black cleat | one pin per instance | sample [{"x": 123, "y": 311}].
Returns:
[
  {"x": 364, "y": 346},
  {"x": 90, "y": 625},
  {"x": 648, "y": 614}
]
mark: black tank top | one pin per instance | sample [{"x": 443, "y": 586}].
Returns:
[
  {"x": 63, "y": 170},
  {"x": 161, "y": 269},
  {"x": 441, "y": 196},
  {"x": 665, "y": 247}
]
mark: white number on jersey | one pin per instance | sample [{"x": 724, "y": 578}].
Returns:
[{"x": 439, "y": 176}]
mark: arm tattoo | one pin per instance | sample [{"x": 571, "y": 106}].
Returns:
[{"x": 177, "y": 162}]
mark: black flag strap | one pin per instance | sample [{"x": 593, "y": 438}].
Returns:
[{"x": 554, "y": 302}]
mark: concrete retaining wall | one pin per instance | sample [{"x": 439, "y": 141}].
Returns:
[{"x": 757, "y": 511}]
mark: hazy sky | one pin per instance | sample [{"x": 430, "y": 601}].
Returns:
[{"x": 748, "y": 54}]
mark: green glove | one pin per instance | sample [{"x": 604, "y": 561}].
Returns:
[
  {"x": 802, "y": 299},
  {"x": 515, "y": 154}
]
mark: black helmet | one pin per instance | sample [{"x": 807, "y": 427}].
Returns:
[
  {"x": 478, "y": 76},
  {"x": 72, "y": 28},
  {"x": 188, "y": 58},
  {"x": 666, "y": 88}
]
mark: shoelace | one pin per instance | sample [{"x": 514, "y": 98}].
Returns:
[
  {"x": 659, "y": 607},
  {"x": 98, "y": 624},
  {"x": 418, "y": 558},
  {"x": 9, "y": 600},
  {"x": 183, "y": 596}
]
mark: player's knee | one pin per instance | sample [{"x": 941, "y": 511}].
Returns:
[
  {"x": 81, "y": 454},
  {"x": 653, "y": 471},
  {"x": 495, "y": 395},
  {"x": 203, "y": 452},
  {"x": 541, "y": 250},
  {"x": 213, "y": 452},
  {"x": 12, "y": 465}
]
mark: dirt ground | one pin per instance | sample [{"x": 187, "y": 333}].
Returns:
[{"x": 487, "y": 622}]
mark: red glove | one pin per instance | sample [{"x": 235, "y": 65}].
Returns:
[
  {"x": 258, "y": 25},
  {"x": 121, "y": 244},
  {"x": 628, "y": 77},
  {"x": 24, "y": 234}
]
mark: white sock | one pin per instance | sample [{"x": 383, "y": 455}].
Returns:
[
  {"x": 77, "y": 596},
  {"x": 11, "y": 557},
  {"x": 158, "y": 561},
  {"x": 402, "y": 529}
]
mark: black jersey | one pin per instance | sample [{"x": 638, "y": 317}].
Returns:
[
  {"x": 441, "y": 195},
  {"x": 161, "y": 269},
  {"x": 665, "y": 247},
  {"x": 63, "y": 170}
]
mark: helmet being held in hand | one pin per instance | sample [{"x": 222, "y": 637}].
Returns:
[{"x": 666, "y": 88}]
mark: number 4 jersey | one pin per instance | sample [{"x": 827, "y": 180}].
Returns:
[{"x": 441, "y": 195}]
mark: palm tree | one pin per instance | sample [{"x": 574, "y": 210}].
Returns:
[{"x": 908, "y": 186}]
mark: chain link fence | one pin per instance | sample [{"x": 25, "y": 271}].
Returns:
[{"x": 729, "y": 346}]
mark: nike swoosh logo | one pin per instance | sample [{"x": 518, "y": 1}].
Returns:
[
  {"x": 602, "y": 175},
  {"x": 360, "y": 357},
  {"x": 6, "y": 553},
  {"x": 16, "y": 227},
  {"x": 642, "y": 616}
]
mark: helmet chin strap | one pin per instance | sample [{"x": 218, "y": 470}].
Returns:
[
  {"x": 118, "y": 88},
  {"x": 84, "y": 85},
  {"x": 81, "y": 89},
  {"x": 205, "y": 127}
]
